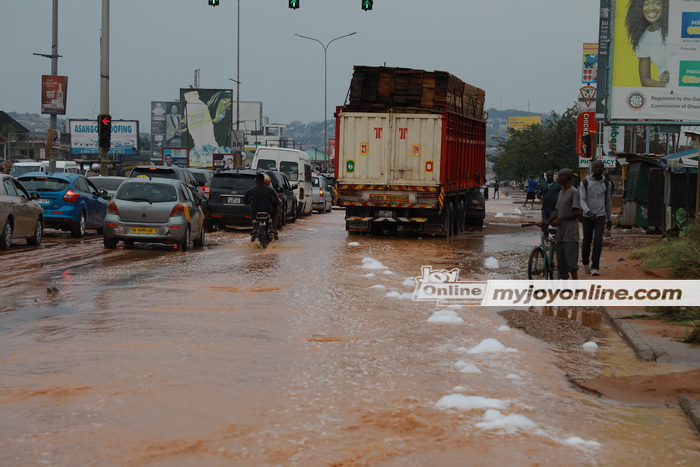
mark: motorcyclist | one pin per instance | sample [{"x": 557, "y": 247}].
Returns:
[{"x": 263, "y": 198}]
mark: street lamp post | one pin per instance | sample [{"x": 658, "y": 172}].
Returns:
[{"x": 325, "y": 87}]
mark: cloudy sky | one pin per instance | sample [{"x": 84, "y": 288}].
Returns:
[{"x": 524, "y": 54}]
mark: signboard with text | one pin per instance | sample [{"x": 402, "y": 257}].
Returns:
[
  {"x": 84, "y": 138},
  {"x": 54, "y": 90}
]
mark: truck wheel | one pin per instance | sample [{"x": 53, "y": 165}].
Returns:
[
  {"x": 461, "y": 217},
  {"x": 447, "y": 226}
]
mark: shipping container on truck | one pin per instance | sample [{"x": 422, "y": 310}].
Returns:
[{"x": 411, "y": 162}]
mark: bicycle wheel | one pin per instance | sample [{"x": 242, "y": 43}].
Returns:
[
  {"x": 536, "y": 267},
  {"x": 551, "y": 264}
]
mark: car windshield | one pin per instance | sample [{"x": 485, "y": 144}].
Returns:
[
  {"x": 291, "y": 169},
  {"x": 44, "y": 184},
  {"x": 152, "y": 192},
  {"x": 153, "y": 172},
  {"x": 233, "y": 182},
  {"x": 18, "y": 170},
  {"x": 106, "y": 183},
  {"x": 267, "y": 164},
  {"x": 201, "y": 178}
]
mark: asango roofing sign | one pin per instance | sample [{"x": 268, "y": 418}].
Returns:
[{"x": 83, "y": 137}]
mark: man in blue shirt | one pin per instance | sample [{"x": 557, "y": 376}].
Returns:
[{"x": 531, "y": 184}]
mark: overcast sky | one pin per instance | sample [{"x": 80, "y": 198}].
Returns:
[{"x": 522, "y": 53}]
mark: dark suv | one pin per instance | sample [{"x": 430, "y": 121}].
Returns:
[{"x": 226, "y": 196}]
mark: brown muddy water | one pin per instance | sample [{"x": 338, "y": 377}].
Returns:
[{"x": 232, "y": 355}]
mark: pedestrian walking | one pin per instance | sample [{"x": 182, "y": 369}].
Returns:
[
  {"x": 496, "y": 193},
  {"x": 548, "y": 192},
  {"x": 531, "y": 184},
  {"x": 486, "y": 191},
  {"x": 566, "y": 219},
  {"x": 596, "y": 206}
]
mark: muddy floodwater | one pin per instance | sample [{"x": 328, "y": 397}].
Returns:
[{"x": 294, "y": 355}]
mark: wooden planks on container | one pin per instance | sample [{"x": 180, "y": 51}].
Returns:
[{"x": 380, "y": 89}]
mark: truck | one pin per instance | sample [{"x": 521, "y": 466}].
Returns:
[{"x": 411, "y": 152}]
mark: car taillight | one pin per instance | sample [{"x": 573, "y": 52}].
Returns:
[
  {"x": 71, "y": 196},
  {"x": 112, "y": 208},
  {"x": 179, "y": 208},
  {"x": 320, "y": 191}
]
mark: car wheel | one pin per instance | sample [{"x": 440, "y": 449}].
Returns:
[
  {"x": 294, "y": 213},
  {"x": 110, "y": 243},
  {"x": 35, "y": 239},
  {"x": 185, "y": 243},
  {"x": 199, "y": 243},
  {"x": 78, "y": 229},
  {"x": 6, "y": 236},
  {"x": 100, "y": 231}
]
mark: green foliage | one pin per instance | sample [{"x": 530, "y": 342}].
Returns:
[
  {"x": 682, "y": 316},
  {"x": 680, "y": 254},
  {"x": 538, "y": 148}
]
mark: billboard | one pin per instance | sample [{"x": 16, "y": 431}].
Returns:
[
  {"x": 166, "y": 126},
  {"x": 206, "y": 127},
  {"x": 84, "y": 139},
  {"x": 178, "y": 157},
  {"x": 54, "y": 90},
  {"x": 655, "y": 61},
  {"x": 519, "y": 123}
]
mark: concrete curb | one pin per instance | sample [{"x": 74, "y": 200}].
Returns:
[
  {"x": 631, "y": 336},
  {"x": 691, "y": 408}
]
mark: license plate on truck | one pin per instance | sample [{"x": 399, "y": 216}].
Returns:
[
  {"x": 386, "y": 213},
  {"x": 358, "y": 225}
]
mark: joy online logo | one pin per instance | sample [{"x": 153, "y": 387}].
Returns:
[{"x": 445, "y": 287}]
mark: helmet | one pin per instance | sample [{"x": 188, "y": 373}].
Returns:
[
  {"x": 267, "y": 179},
  {"x": 95, "y": 167}
]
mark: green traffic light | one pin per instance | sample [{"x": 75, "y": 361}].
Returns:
[
  {"x": 214, "y": 2},
  {"x": 367, "y": 4},
  {"x": 294, "y": 4}
]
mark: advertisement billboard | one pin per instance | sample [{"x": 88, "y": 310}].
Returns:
[
  {"x": 54, "y": 90},
  {"x": 519, "y": 123},
  {"x": 585, "y": 124},
  {"x": 655, "y": 61},
  {"x": 84, "y": 139},
  {"x": 178, "y": 157},
  {"x": 206, "y": 127},
  {"x": 166, "y": 126}
]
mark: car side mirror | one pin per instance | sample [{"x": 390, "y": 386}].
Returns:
[
  {"x": 203, "y": 202},
  {"x": 35, "y": 195},
  {"x": 295, "y": 186},
  {"x": 103, "y": 194}
]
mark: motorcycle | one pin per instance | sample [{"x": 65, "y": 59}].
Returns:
[{"x": 261, "y": 229}]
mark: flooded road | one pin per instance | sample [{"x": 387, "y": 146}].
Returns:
[{"x": 297, "y": 355}]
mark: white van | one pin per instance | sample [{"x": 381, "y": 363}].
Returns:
[
  {"x": 21, "y": 168},
  {"x": 294, "y": 164}
]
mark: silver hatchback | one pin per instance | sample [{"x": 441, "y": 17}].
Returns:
[{"x": 154, "y": 210}]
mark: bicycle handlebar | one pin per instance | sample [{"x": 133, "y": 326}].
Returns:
[{"x": 528, "y": 224}]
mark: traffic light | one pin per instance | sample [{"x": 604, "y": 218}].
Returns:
[
  {"x": 367, "y": 4},
  {"x": 214, "y": 2},
  {"x": 294, "y": 4},
  {"x": 104, "y": 130}
]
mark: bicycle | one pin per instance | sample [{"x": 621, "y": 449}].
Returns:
[{"x": 542, "y": 261}]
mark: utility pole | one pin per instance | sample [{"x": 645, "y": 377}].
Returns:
[
  {"x": 238, "y": 68},
  {"x": 104, "y": 80},
  {"x": 54, "y": 71}
]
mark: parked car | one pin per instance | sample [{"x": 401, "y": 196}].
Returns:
[
  {"x": 70, "y": 201},
  {"x": 203, "y": 178},
  {"x": 24, "y": 167},
  {"x": 20, "y": 215},
  {"x": 110, "y": 184},
  {"x": 172, "y": 172},
  {"x": 154, "y": 210},
  {"x": 322, "y": 195}
]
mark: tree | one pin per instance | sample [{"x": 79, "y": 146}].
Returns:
[{"x": 538, "y": 148}]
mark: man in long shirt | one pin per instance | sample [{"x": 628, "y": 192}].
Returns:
[
  {"x": 565, "y": 217},
  {"x": 596, "y": 205}
]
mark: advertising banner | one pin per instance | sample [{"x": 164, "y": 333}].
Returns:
[
  {"x": 54, "y": 90},
  {"x": 585, "y": 124},
  {"x": 604, "y": 27},
  {"x": 590, "y": 63},
  {"x": 84, "y": 140},
  {"x": 207, "y": 123},
  {"x": 519, "y": 123},
  {"x": 166, "y": 126},
  {"x": 655, "y": 61},
  {"x": 613, "y": 139},
  {"x": 178, "y": 157}
]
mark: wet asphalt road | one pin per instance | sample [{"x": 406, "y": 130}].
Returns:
[{"x": 232, "y": 355}]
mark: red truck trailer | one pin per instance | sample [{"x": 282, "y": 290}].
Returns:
[{"x": 413, "y": 160}]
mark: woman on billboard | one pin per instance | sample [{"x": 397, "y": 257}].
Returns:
[{"x": 647, "y": 27}]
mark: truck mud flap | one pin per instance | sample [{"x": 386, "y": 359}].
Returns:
[{"x": 364, "y": 224}]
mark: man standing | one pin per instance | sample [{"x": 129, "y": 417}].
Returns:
[
  {"x": 548, "y": 192},
  {"x": 566, "y": 218},
  {"x": 531, "y": 185},
  {"x": 596, "y": 204}
]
